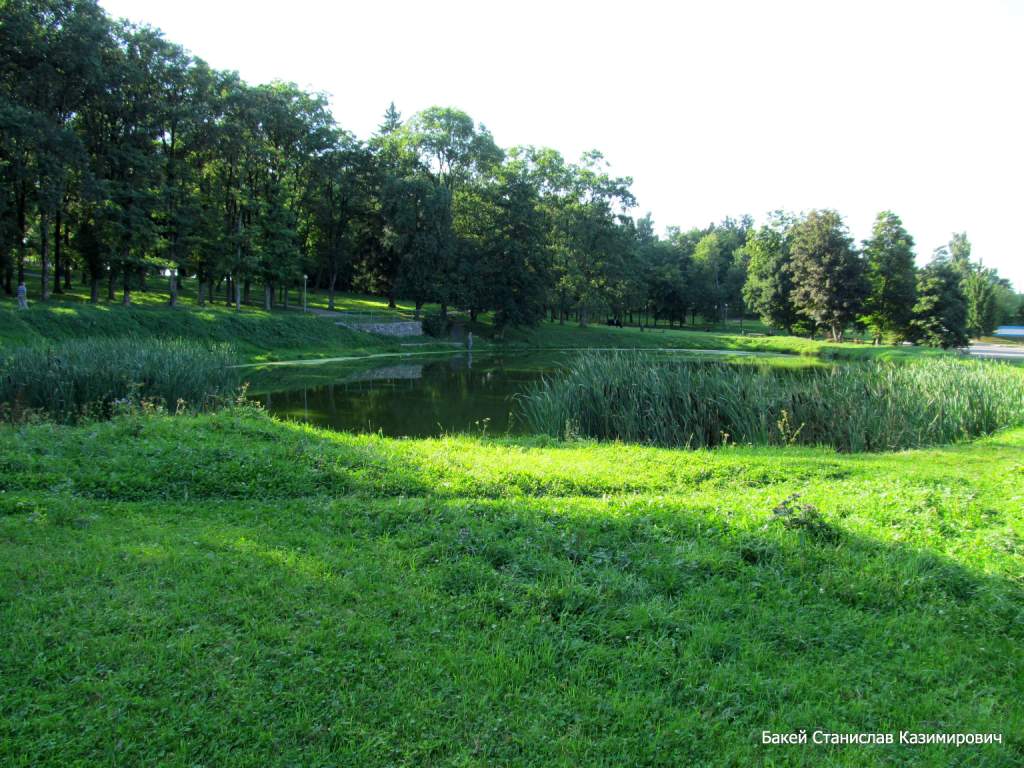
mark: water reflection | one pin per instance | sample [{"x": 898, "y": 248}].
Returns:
[
  {"x": 414, "y": 399},
  {"x": 423, "y": 396}
]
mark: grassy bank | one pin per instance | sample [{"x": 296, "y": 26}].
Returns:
[
  {"x": 226, "y": 589},
  {"x": 260, "y": 336},
  {"x": 254, "y": 334}
]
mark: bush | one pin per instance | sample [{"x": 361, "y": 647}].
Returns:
[
  {"x": 437, "y": 326},
  {"x": 96, "y": 377},
  {"x": 868, "y": 406}
]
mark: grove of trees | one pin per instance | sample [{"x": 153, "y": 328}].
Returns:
[{"x": 122, "y": 156}]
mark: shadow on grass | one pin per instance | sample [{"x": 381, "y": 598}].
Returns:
[{"x": 549, "y": 631}]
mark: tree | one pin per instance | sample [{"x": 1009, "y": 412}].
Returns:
[
  {"x": 892, "y": 278},
  {"x": 514, "y": 265},
  {"x": 453, "y": 151},
  {"x": 979, "y": 287},
  {"x": 940, "y": 313},
  {"x": 828, "y": 275},
  {"x": 768, "y": 289}
]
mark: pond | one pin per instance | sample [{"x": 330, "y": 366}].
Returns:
[{"x": 413, "y": 395}]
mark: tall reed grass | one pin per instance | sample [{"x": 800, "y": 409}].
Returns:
[
  {"x": 869, "y": 406},
  {"x": 92, "y": 377}
]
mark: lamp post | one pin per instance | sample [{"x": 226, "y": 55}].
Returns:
[{"x": 305, "y": 278}]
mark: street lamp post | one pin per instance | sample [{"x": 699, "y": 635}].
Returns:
[{"x": 305, "y": 278}]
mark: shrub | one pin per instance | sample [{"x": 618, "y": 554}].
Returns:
[{"x": 435, "y": 325}]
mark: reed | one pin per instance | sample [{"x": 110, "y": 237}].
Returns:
[
  {"x": 864, "y": 406},
  {"x": 93, "y": 377}
]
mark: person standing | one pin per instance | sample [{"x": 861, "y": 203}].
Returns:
[{"x": 22, "y": 295}]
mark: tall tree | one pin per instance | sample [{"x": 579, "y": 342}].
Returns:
[
  {"x": 940, "y": 313},
  {"x": 892, "y": 278},
  {"x": 979, "y": 287},
  {"x": 454, "y": 152},
  {"x": 768, "y": 290},
  {"x": 828, "y": 275}
]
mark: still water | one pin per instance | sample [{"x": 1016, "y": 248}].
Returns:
[
  {"x": 419, "y": 395},
  {"x": 406, "y": 396}
]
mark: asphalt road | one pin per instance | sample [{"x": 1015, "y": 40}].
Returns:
[{"x": 997, "y": 351}]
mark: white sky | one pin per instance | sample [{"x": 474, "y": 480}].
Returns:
[{"x": 714, "y": 108}]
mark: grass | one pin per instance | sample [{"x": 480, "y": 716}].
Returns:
[
  {"x": 254, "y": 334},
  {"x": 260, "y": 336},
  {"x": 93, "y": 377},
  {"x": 853, "y": 407},
  {"x": 227, "y": 589}
]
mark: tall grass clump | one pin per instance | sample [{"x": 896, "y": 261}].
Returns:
[
  {"x": 864, "y": 406},
  {"x": 93, "y": 377}
]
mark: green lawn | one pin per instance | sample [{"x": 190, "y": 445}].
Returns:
[
  {"x": 260, "y": 336},
  {"x": 230, "y": 590}
]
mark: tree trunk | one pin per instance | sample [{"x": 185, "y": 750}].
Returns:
[
  {"x": 238, "y": 295},
  {"x": 173, "y": 288},
  {"x": 126, "y": 287},
  {"x": 285, "y": 297},
  {"x": 110, "y": 285},
  {"x": 58, "y": 267},
  {"x": 94, "y": 290},
  {"x": 419, "y": 306},
  {"x": 247, "y": 291},
  {"x": 583, "y": 317},
  {"x": 44, "y": 255},
  {"x": 67, "y": 261},
  {"x": 22, "y": 206},
  {"x": 391, "y": 297},
  {"x": 268, "y": 297},
  {"x": 331, "y": 289}
]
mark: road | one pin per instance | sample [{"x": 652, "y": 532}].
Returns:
[{"x": 997, "y": 351}]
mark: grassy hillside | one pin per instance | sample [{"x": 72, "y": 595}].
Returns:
[
  {"x": 256, "y": 335},
  {"x": 227, "y": 589},
  {"x": 290, "y": 335}
]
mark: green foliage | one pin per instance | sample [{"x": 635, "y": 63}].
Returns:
[
  {"x": 437, "y": 325},
  {"x": 768, "y": 289},
  {"x": 892, "y": 278},
  {"x": 828, "y": 275},
  {"x": 979, "y": 289},
  {"x": 940, "y": 314},
  {"x": 874, "y": 406},
  {"x": 90, "y": 378}
]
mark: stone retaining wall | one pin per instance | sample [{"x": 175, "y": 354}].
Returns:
[{"x": 408, "y": 328}]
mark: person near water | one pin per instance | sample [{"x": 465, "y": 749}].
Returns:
[{"x": 22, "y": 295}]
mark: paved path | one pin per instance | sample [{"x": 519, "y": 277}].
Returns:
[{"x": 997, "y": 351}]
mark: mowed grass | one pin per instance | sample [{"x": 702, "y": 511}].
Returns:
[
  {"x": 255, "y": 335},
  {"x": 230, "y": 590},
  {"x": 260, "y": 336}
]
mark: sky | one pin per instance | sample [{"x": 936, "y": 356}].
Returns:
[{"x": 715, "y": 109}]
